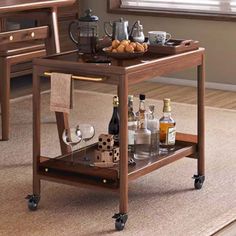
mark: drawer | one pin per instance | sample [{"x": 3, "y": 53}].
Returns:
[{"x": 24, "y": 35}]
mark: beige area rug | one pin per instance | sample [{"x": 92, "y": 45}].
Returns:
[{"x": 162, "y": 203}]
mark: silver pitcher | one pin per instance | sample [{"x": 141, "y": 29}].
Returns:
[{"x": 119, "y": 29}]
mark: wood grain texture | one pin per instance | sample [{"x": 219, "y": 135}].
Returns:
[
  {"x": 24, "y": 35},
  {"x": 23, "y": 5}
]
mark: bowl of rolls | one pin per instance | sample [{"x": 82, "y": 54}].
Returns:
[{"x": 125, "y": 49}]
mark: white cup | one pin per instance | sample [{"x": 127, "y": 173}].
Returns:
[{"x": 158, "y": 37}]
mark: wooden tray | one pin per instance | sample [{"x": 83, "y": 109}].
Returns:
[
  {"x": 174, "y": 46},
  {"x": 80, "y": 172}
]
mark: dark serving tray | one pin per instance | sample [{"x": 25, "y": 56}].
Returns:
[{"x": 174, "y": 46}]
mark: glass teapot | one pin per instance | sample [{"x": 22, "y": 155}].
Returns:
[{"x": 84, "y": 32}]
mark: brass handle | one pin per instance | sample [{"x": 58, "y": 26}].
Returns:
[
  {"x": 32, "y": 34},
  {"x": 94, "y": 79},
  {"x": 11, "y": 38}
]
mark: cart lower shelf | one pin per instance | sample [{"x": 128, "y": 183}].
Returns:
[{"x": 61, "y": 169}]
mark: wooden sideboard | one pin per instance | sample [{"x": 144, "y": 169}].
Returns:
[{"x": 65, "y": 16}]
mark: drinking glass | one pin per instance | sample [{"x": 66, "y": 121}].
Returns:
[{"x": 81, "y": 133}]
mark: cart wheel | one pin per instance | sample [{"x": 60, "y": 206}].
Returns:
[
  {"x": 119, "y": 225},
  {"x": 33, "y": 201},
  {"x": 198, "y": 181},
  {"x": 197, "y": 184},
  {"x": 120, "y": 221}
]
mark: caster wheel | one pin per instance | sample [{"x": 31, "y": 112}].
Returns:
[
  {"x": 120, "y": 221},
  {"x": 119, "y": 225},
  {"x": 197, "y": 184},
  {"x": 131, "y": 162},
  {"x": 33, "y": 201},
  {"x": 32, "y": 205},
  {"x": 198, "y": 181}
]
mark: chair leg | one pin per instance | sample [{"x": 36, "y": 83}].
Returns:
[{"x": 5, "y": 97}]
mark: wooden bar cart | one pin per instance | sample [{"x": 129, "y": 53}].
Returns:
[{"x": 123, "y": 73}]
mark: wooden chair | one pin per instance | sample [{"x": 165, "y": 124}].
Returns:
[{"x": 17, "y": 47}]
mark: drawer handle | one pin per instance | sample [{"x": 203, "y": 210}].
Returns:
[
  {"x": 11, "y": 38},
  {"x": 32, "y": 35}
]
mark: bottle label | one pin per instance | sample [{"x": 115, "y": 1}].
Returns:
[
  {"x": 170, "y": 136},
  {"x": 131, "y": 137},
  {"x": 132, "y": 126}
]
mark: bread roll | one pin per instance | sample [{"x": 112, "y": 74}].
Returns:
[
  {"x": 115, "y": 43},
  {"x": 121, "y": 48},
  {"x": 133, "y": 44},
  {"x": 124, "y": 42},
  {"x": 129, "y": 48},
  {"x": 140, "y": 48},
  {"x": 145, "y": 46}
]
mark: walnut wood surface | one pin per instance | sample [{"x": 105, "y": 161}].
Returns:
[
  {"x": 24, "y": 48},
  {"x": 24, "y": 35},
  {"x": 20, "y": 54},
  {"x": 7, "y": 6}
]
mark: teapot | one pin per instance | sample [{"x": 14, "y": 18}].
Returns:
[{"x": 120, "y": 30}]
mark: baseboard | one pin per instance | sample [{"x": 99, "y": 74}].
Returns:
[{"x": 191, "y": 83}]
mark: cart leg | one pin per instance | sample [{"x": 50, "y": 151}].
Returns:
[
  {"x": 33, "y": 199},
  {"x": 131, "y": 161},
  {"x": 5, "y": 78},
  {"x": 200, "y": 177},
  {"x": 122, "y": 216}
]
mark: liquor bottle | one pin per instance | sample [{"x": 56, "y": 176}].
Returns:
[
  {"x": 142, "y": 136},
  {"x": 114, "y": 124},
  {"x": 142, "y": 109},
  {"x": 167, "y": 128},
  {"x": 153, "y": 126},
  {"x": 132, "y": 124}
]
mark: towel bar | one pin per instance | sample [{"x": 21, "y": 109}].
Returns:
[{"x": 95, "y": 79}]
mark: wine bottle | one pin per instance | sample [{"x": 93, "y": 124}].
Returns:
[{"x": 114, "y": 124}]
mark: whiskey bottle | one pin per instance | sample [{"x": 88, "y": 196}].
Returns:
[
  {"x": 167, "y": 128},
  {"x": 142, "y": 136},
  {"x": 114, "y": 124},
  {"x": 153, "y": 126},
  {"x": 132, "y": 124}
]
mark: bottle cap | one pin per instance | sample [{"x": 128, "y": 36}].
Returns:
[
  {"x": 142, "y": 96},
  {"x": 166, "y": 107}
]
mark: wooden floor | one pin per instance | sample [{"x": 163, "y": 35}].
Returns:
[{"x": 182, "y": 94}]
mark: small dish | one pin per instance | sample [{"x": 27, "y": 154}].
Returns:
[{"x": 123, "y": 55}]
